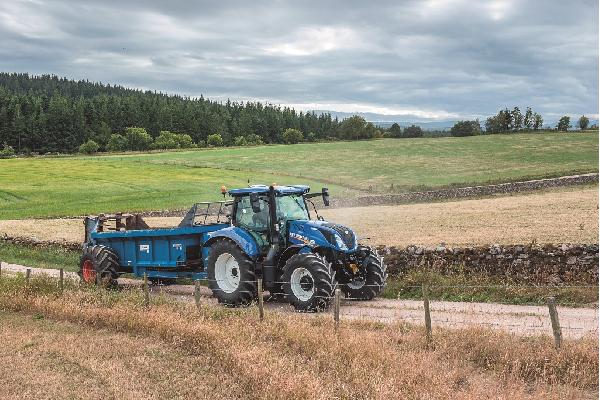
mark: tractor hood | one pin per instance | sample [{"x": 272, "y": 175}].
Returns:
[{"x": 322, "y": 234}]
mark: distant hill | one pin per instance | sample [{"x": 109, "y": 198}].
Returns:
[
  {"x": 385, "y": 121},
  {"x": 427, "y": 126}
]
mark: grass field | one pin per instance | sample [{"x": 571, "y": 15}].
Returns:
[
  {"x": 42, "y": 187},
  {"x": 96, "y": 344},
  {"x": 39, "y": 257}
]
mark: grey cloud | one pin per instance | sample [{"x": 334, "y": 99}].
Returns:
[{"x": 453, "y": 57}]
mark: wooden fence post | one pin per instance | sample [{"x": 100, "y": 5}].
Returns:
[
  {"x": 146, "y": 291},
  {"x": 336, "y": 308},
  {"x": 27, "y": 275},
  {"x": 427, "y": 313},
  {"x": 555, "y": 323},
  {"x": 197, "y": 293},
  {"x": 61, "y": 279},
  {"x": 261, "y": 310}
]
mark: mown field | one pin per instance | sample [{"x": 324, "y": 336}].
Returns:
[
  {"x": 87, "y": 343},
  {"x": 41, "y": 187}
]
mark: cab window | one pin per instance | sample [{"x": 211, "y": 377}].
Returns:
[
  {"x": 247, "y": 218},
  {"x": 291, "y": 207}
]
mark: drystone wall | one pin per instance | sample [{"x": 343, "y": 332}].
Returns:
[{"x": 536, "y": 264}]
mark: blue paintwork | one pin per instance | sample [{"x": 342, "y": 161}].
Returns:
[
  {"x": 156, "y": 251},
  {"x": 238, "y": 235},
  {"x": 263, "y": 189},
  {"x": 310, "y": 233}
]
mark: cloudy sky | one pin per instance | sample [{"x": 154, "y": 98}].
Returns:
[{"x": 434, "y": 59}]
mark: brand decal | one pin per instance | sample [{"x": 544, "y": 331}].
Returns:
[
  {"x": 145, "y": 248},
  {"x": 301, "y": 238}
]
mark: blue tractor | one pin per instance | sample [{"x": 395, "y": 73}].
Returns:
[{"x": 267, "y": 233}]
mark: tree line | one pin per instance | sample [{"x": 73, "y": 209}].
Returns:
[
  {"x": 514, "y": 120},
  {"x": 48, "y": 114}
]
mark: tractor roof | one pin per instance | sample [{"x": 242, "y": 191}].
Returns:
[{"x": 281, "y": 190}]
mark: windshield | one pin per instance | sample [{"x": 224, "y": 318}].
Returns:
[{"x": 291, "y": 207}]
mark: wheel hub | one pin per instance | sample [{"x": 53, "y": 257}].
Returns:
[
  {"x": 357, "y": 283},
  {"x": 88, "y": 271},
  {"x": 306, "y": 283},
  {"x": 302, "y": 284},
  {"x": 227, "y": 273}
]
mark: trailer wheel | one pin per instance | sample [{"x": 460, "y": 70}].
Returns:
[
  {"x": 231, "y": 274},
  {"x": 372, "y": 285},
  {"x": 99, "y": 260},
  {"x": 308, "y": 282}
]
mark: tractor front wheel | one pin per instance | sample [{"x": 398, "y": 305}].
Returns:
[
  {"x": 231, "y": 274},
  {"x": 308, "y": 282},
  {"x": 371, "y": 285}
]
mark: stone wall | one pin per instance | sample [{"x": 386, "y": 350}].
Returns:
[
  {"x": 31, "y": 242},
  {"x": 536, "y": 264},
  {"x": 467, "y": 192},
  {"x": 528, "y": 264}
]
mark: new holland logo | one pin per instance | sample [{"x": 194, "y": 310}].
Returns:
[{"x": 301, "y": 238}]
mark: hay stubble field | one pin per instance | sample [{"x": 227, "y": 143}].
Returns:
[{"x": 567, "y": 215}]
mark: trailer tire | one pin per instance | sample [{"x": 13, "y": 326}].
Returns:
[
  {"x": 373, "y": 284},
  {"x": 100, "y": 260},
  {"x": 231, "y": 274},
  {"x": 308, "y": 282}
]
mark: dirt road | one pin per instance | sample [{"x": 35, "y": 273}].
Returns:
[{"x": 519, "y": 320}]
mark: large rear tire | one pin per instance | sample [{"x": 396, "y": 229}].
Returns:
[
  {"x": 231, "y": 274},
  {"x": 373, "y": 283},
  {"x": 308, "y": 282},
  {"x": 99, "y": 261}
]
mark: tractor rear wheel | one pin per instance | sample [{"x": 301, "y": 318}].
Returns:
[
  {"x": 231, "y": 274},
  {"x": 372, "y": 284},
  {"x": 98, "y": 265},
  {"x": 308, "y": 282}
]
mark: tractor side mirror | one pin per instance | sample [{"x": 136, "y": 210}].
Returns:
[
  {"x": 255, "y": 202},
  {"x": 325, "y": 192}
]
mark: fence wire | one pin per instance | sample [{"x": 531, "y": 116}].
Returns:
[{"x": 522, "y": 319}]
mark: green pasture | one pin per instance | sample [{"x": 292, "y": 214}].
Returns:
[{"x": 60, "y": 186}]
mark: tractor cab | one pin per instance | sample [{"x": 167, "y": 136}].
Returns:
[{"x": 267, "y": 213}]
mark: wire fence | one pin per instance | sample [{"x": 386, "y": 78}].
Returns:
[{"x": 423, "y": 309}]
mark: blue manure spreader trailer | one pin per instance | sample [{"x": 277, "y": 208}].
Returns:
[{"x": 262, "y": 232}]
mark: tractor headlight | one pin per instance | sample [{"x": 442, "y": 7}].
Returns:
[
  {"x": 340, "y": 243},
  {"x": 334, "y": 239}
]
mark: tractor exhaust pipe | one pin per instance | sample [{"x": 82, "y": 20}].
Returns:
[{"x": 268, "y": 264}]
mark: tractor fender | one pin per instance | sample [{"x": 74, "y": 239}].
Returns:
[
  {"x": 239, "y": 236},
  {"x": 290, "y": 251}
]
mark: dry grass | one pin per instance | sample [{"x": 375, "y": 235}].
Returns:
[
  {"x": 284, "y": 357},
  {"x": 558, "y": 216},
  {"x": 57, "y": 360}
]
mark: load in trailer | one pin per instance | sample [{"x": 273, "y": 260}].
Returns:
[{"x": 263, "y": 232}]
